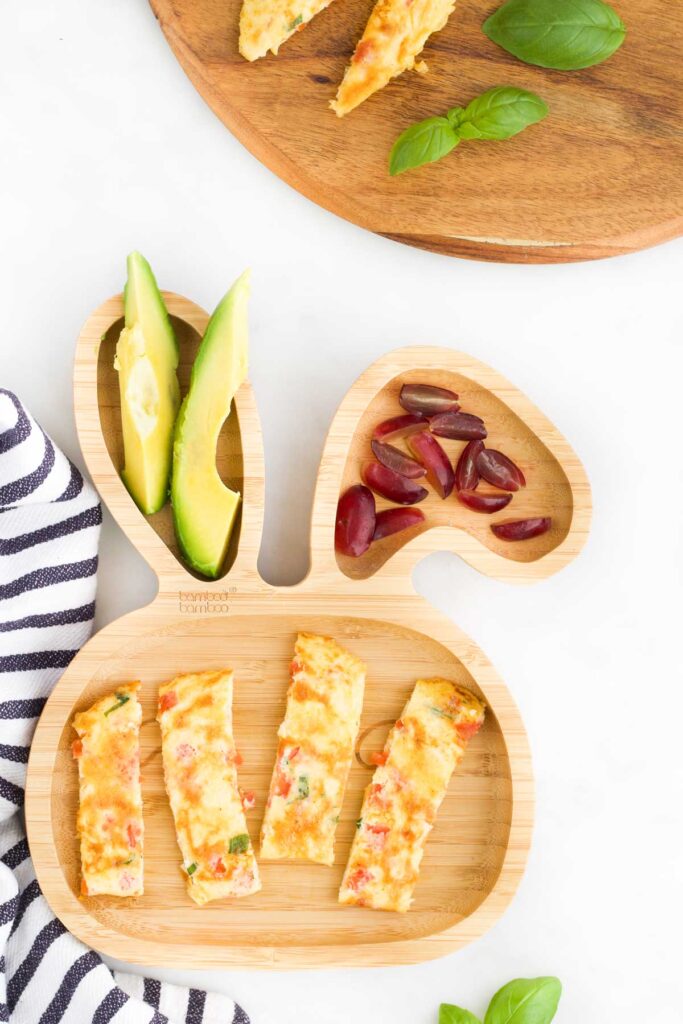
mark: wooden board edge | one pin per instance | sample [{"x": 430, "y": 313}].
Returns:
[{"x": 536, "y": 254}]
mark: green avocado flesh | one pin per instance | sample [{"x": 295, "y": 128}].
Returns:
[
  {"x": 204, "y": 509},
  {"x": 146, "y": 360}
]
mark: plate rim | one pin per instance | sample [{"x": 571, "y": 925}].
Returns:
[{"x": 104, "y": 939}]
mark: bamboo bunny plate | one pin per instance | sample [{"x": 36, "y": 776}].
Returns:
[
  {"x": 599, "y": 177},
  {"x": 478, "y": 848}
]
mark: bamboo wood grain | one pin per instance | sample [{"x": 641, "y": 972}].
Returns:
[
  {"x": 599, "y": 177},
  {"x": 477, "y": 851}
]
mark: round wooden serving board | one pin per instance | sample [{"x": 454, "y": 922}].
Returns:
[
  {"x": 599, "y": 177},
  {"x": 477, "y": 851}
]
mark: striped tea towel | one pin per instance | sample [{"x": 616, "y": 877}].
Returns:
[{"x": 49, "y": 531}]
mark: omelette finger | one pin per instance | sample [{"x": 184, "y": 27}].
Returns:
[
  {"x": 267, "y": 24},
  {"x": 394, "y": 36}
]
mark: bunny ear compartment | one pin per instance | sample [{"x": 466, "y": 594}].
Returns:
[
  {"x": 491, "y": 460},
  {"x": 238, "y": 448}
]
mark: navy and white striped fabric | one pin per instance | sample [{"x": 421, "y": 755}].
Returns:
[{"x": 49, "y": 531}]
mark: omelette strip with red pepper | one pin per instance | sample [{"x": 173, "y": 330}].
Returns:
[
  {"x": 394, "y": 36},
  {"x": 400, "y": 805},
  {"x": 200, "y": 758},
  {"x": 316, "y": 743},
  {"x": 110, "y": 807}
]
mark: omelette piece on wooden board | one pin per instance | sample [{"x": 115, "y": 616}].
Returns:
[
  {"x": 267, "y": 24},
  {"x": 401, "y": 803},
  {"x": 394, "y": 36},
  {"x": 200, "y": 758},
  {"x": 316, "y": 743},
  {"x": 110, "y": 808}
]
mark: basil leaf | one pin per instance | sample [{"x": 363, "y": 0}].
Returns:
[
  {"x": 456, "y": 1015},
  {"x": 525, "y": 1001},
  {"x": 295, "y": 24},
  {"x": 422, "y": 143},
  {"x": 496, "y": 114},
  {"x": 191, "y": 869},
  {"x": 501, "y": 113},
  {"x": 239, "y": 844},
  {"x": 561, "y": 34}
]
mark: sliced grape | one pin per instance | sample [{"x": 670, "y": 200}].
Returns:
[
  {"x": 394, "y": 458},
  {"x": 427, "y": 400},
  {"x": 522, "y": 529},
  {"x": 459, "y": 426},
  {"x": 390, "y": 485},
  {"x": 466, "y": 472},
  {"x": 355, "y": 522},
  {"x": 484, "y": 502},
  {"x": 399, "y": 426},
  {"x": 429, "y": 452},
  {"x": 500, "y": 471},
  {"x": 393, "y": 520}
]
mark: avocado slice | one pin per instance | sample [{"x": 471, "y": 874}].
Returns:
[
  {"x": 204, "y": 509},
  {"x": 146, "y": 360}
]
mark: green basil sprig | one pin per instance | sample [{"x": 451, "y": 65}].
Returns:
[
  {"x": 497, "y": 114},
  {"x": 562, "y": 34},
  {"x": 523, "y": 1001}
]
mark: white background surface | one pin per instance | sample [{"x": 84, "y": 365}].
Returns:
[{"x": 105, "y": 147}]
